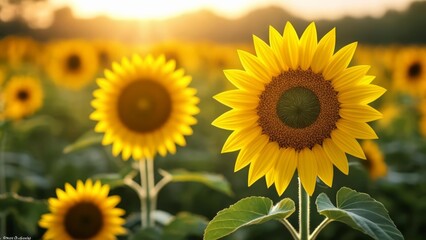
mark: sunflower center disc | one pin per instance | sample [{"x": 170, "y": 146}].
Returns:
[
  {"x": 414, "y": 70},
  {"x": 74, "y": 62},
  {"x": 298, "y": 107},
  {"x": 22, "y": 95},
  {"x": 83, "y": 221},
  {"x": 144, "y": 106}
]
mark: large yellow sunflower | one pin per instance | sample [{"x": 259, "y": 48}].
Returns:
[
  {"x": 72, "y": 64},
  {"x": 23, "y": 95},
  {"x": 144, "y": 106},
  {"x": 84, "y": 212},
  {"x": 375, "y": 164},
  {"x": 410, "y": 70},
  {"x": 298, "y": 106}
]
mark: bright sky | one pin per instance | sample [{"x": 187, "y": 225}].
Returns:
[{"x": 161, "y": 9}]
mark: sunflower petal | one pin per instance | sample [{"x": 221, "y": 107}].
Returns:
[
  {"x": 243, "y": 80},
  {"x": 347, "y": 143},
  {"x": 307, "y": 169},
  {"x": 324, "y": 51},
  {"x": 363, "y": 94},
  {"x": 339, "y": 61},
  {"x": 286, "y": 166},
  {"x": 238, "y": 99},
  {"x": 359, "y": 130},
  {"x": 234, "y": 119},
  {"x": 266, "y": 55},
  {"x": 276, "y": 43},
  {"x": 359, "y": 113},
  {"x": 290, "y": 46},
  {"x": 246, "y": 154},
  {"x": 336, "y": 156},
  {"x": 253, "y": 65},
  {"x": 263, "y": 162},
  {"x": 308, "y": 45},
  {"x": 239, "y": 139},
  {"x": 350, "y": 77},
  {"x": 325, "y": 167}
]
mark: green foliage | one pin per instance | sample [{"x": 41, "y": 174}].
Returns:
[
  {"x": 361, "y": 212},
  {"x": 214, "y": 181},
  {"x": 185, "y": 225},
  {"x": 248, "y": 211},
  {"x": 86, "y": 140},
  {"x": 26, "y": 211}
]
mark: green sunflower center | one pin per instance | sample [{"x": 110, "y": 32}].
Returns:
[
  {"x": 83, "y": 220},
  {"x": 144, "y": 106},
  {"x": 298, "y": 107},
  {"x": 414, "y": 70},
  {"x": 74, "y": 62},
  {"x": 23, "y": 95}
]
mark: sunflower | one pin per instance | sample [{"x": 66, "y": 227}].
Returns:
[
  {"x": 375, "y": 163},
  {"x": 84, "y": 212},
  {"x": 72, "y": 64},
  {"x": 144, "y": 106},
  {"x": 23, "y": 95},
  {"x": 410, "y": 70},
  {"x": 107, "y": 52},
  {"x": 297, "y": 106}
]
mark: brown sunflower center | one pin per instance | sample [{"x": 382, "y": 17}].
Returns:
[
  {"x": 73, "y": 62},
  {"x": 144, "y": 106},
  {"x": 414, "y": 70},
  {"x": 298, "y": 109},
  {"x": 23, "y": 95},
  {"x": 83, "y": 220}
]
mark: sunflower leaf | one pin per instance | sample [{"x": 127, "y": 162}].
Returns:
[
  {"x": 214, "y": 181},
  {"x": 248, "y": 211},
  {"x": 184, "y": 226},
  {"x": 361, "y": 212},
  {"x": 86, "y": 140},
  {"x": 26, "y": 211}
]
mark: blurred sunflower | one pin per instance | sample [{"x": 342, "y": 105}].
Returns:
[
  {"x": 18, "y": 50},
  {"x": 23, "y": 95},
  {"x": 410, "y": 70},
  {"x": 84, "y": 212},
  {"x": 297, "y": 106},
  {"x": 72, "y": 64},
  {"x": 185, "y": 55},
  {"x": 107, "y": 52},
  {"x": 375, "y": 162},
  {"x": 144, "y": 106}
]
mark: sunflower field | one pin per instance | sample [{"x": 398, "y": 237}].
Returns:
[{"x": 106, "y": 139}]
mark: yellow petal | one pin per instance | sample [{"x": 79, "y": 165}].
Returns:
[
  {"x": 325, "y": 167},
  {"x": 264, "y": 161},
  {"x": 266, "y": 55},
  {"x": 308, "y": 45},
  {"x": 339, "y": 61},
  {"x": 347, "y": 143},
  {"x": 336, "y": 156},
  {"x": 276, "y": 43},
  {"x": 234, "y": 119},
  {"x": 359, "y": 130},
  {"x": 324, "y": 51},
  {"x": 269, "y": 177},
  {"x": 243, "y": 80},
  {"x": 240, "y": 138},
  {"x": 359, "y": 113},
  {"x": 290, "y": 46},
  {"x": 363, "y": 94},
  {"x": 247, "y": 154},
  {"x": 366, "y": 80},
  {"x": 286, "y": 165},
  {"x": 252, "y": 65},
  {"x": 350, "y": 77},
  {"x": 238, "y": 99},
  {"x": 307, "y": 169}
]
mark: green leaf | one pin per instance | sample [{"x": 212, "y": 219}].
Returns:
[
  {"x": 184, "y": 226},
  {"x": 25, "y": 210},
  {"x": 86, "y": 140},
  {"x": 248, "y": 211},
  {"x": 214, "y": 181},
  {"x": 361, "y": 212},
  {"x": 147, "y": 234}
]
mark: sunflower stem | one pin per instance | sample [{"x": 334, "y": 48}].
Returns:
[
  {"x": 290, "y": 228},
  {"x": 319, "y": 228},
  {"x": 143, "y": 193},
  {"x": 151, "y": 191},
  {"x": 303, "y": 213},
  {"x": 2, "y": 180}
]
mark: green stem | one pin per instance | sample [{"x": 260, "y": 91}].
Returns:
[
  {"x": 143, "y": 193},
  {"x": 303, "y": 213},
  {"x": 319, "y": 228},
  {"x": 290, "y": 228},
  {"x": 151, "y": 191},
  {"x": 2, "y": 181}
]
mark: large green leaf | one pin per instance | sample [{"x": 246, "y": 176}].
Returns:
[
  {"x": 86, "y": 140},
  {"x": 25, "y": 210},
  {"x": 214, "y": 181},
  {"x": 184, "y": 226},
  {"x": 248, "y": 211},
  {"x": 361, "y": 212}
]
